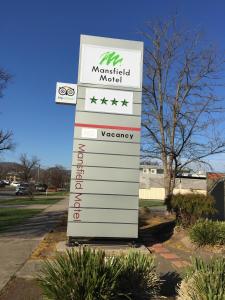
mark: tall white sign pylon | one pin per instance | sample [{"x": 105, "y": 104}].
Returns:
[{"x": 105, "y": 162}]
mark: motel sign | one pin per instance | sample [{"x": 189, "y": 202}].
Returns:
[{"x": 106, "y": 148}]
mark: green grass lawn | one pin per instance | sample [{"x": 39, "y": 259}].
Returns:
[
  {"x": 60, "y": 193},
  {"x": 150, "y": 203},
  {"x": 29, "y": 201},
  {"x": 10, "y": 217}
]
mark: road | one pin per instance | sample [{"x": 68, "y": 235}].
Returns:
[{"x": 7, "y": 194}]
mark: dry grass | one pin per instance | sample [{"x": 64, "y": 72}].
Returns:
[
  {"x": 47, "y": 247},
  {"x": 148, "y": 219}
]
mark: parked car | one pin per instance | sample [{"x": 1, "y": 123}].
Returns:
[
  {"x": 41, "y": 187},
  {"x": 24, "y": 189},
  {"x": 6, "y": 182},
  {"x": 15, "y": 183},
  {"x": 2, "y": 183}
]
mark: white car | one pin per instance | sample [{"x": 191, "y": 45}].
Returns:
[
  {"x": 14, "y": 183},
  {"x": 6, "y": 181}
]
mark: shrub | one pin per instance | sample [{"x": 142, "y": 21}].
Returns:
[
  {"x": 138, "y": 278},
  {"x": 204, "y": 281},
  {"x": 190, "y": 207},
  {"x": 79, "y": 275},
  {"x": 208, "y": 232},
  {"x": 86, "y": 274}
]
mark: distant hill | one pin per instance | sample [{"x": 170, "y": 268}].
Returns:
[
  {"x": 9, "y": 165},
  {"x": 9, "y": 169}
]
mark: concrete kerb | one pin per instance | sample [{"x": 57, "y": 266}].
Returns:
[{"x": 30, "y": 269}]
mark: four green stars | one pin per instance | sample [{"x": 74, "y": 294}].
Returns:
[{"x": 105, "y": 101}]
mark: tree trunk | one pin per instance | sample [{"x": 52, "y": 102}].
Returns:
[{"x": 169, "y": 183}]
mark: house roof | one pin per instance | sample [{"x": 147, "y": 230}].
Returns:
[
  {"x": 215, "y": 176},
  {"x": 150, "y": 167}
]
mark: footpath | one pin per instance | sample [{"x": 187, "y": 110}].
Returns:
[{"x": 17, "y": 244}]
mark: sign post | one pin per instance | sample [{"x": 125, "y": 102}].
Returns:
[{"x": 105, "y": 162}]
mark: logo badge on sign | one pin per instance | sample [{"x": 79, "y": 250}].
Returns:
[
  {"x": 66, "y": 93},
  {"x": 111, "y": 58},
  {"x": 66, "y": 90}
]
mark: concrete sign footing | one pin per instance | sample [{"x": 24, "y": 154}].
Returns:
[{"x": 111, "y": 248}]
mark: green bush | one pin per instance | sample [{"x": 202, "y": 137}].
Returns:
[
  {"x": 138, "y": 278},
  {"x": 204, "y": 281},
  {"x": 208, "y": 232},
  {"x": 190, "y": 207},
  {"x": 79, "y": 275},
  {"x": 86, "y": 274}
]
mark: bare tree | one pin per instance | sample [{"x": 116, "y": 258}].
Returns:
[
  {"x": 4, "y": 79},
  {"x": 57, "y": 177},
  {"x": 27, "y": 165},
  {"x": 6, "y": 142},
  {"x": 181, "y": 107},
  {"x": 149, "y": 162}
]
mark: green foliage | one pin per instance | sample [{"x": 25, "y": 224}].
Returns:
[
  {"x": 204, "y": 281},
  {"x": 208, "y": 232},
  {"x": 79, "y": 275},
  {"x": 150, "y": 203},
  {"x": 86, "y": 274},
  {"x": 27, "y": 201},
  {"x": 190, "y": 207},
  {"x": 138, "y": 278}
]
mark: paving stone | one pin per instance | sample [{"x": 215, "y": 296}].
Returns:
[
  {"x": 163, "y": 250},
  {"x": 169, "y": 256},
  {"x": 154, "y": 247},
  {"x": 180, "y": 263},
  {"x": 157, "y": 245},
  {"x": 159, "y": 250}
]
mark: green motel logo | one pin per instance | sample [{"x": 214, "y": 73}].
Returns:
[
  {"x": 109, "y": 69},
  {"x": 110, "y": 58}
]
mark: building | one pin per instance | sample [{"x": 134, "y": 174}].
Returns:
[{"x": 152, "y": 183}]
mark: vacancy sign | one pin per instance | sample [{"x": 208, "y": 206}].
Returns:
[
  {"x": 66, "y": 93},
  {"x": 109, "y": 101},
  {"x": 110, "y": 66}
]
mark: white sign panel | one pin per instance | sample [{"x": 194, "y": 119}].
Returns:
[
  {"x": 66, "y": 93},
  {"x": 110, "y": 66},
  {"x": 90, "y": 133},
  {"x": 109, "y": 101}
]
